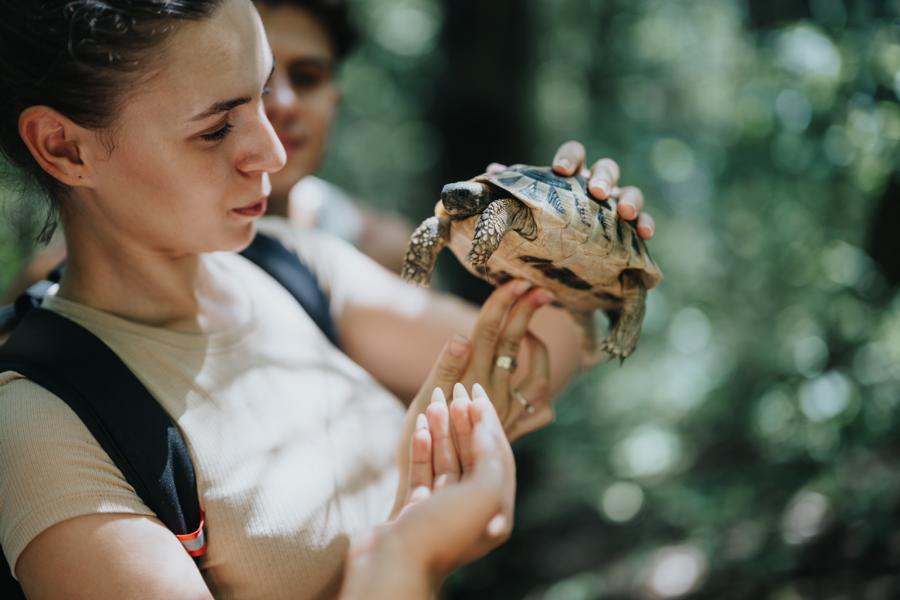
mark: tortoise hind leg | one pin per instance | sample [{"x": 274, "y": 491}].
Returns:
[
  {"x": 625, "y": 324},
  {"x": 500, "y": 216},
  {"x": 426, "y": 242}
]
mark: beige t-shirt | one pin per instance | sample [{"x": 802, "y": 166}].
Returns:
[{"x": 293, "y": 443}]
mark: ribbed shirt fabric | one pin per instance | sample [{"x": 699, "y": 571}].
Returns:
[{"x": 293, "y": 443}]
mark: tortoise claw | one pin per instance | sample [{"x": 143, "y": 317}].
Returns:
[{"x": 614, "y": 350}]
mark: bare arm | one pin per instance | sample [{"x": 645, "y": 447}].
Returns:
[{"x": 109, "y": 556}]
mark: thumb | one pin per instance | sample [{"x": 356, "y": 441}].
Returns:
[{"x": 450, "y": 365}]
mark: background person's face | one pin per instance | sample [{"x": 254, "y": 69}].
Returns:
[
  {"x": 176, "y": 179},
  {"x": 303, "y": 97}
]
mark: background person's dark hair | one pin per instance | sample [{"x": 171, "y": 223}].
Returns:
[
  {"x": 78, "y": 57},
  {"x": 334, "y": 15}
]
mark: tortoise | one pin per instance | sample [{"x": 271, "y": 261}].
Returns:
[{"x": 528, "y": 222}]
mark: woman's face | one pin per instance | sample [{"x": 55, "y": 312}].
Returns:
[
  {"x": 303, "y": 97},
  {"x": 192, "y": 148}
]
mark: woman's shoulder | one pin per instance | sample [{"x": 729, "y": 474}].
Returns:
[
  {"x": 51, "y": 466},
  {"x": 23, "y": 402},
  {"x": 37, "y": 426}
]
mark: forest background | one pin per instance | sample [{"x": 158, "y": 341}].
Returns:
[{"x": 750, "y": 448}]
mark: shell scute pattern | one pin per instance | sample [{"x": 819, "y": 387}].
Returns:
[{"x": 574, "y": 229}]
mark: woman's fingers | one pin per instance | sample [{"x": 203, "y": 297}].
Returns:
[
  {"x": 646, "y": 226},
  {"x": 630, "y": 203},
  {"x": 494, "y": 463},
  {"x": 514, "y": 328},
  {"x": 495, "y": 167},
  {"x": 446, "y": 465},
  {"x": 569, "y": 158},
  {"x": 462, "y": 427},
  {"x": 421, "y": 475},
  {"x": 603, "y": 178},
  {"x": 488, "y": 328},
  {"x": 533, "y": 407},
  {"x": 464, "y": 521},
  {"x": 450, "y": 365}
]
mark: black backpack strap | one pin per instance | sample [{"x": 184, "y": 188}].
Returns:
[
  {"x": 285, "y": 266},
  {"x": 128, "y": 423}
]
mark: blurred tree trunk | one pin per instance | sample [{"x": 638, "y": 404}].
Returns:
[
  {"x": 884, "y": 243},
  {"x": 479, "y": 107}
]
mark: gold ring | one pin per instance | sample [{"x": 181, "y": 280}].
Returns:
[
  {"x": 528, "y": 406},
  {"x": 505, "y": 361}
]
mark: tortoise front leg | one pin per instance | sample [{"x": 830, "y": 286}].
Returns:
[
  {"x": 625, "y": 324},
  {"x": 500, "y": 216},
  {"x": 426, "y": 242}
]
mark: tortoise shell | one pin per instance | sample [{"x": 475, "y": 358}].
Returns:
[{"x": 580, "y": 250}]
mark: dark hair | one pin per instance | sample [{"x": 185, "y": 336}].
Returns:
[
  {"x": 334, "y": 15},
  {"x": 78, "y": 57}
]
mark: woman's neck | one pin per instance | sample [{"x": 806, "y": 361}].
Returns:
[{"x": 180, "y": 292}]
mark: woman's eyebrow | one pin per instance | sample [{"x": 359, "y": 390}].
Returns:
[
  {"x": 226, "y": 105},
  {"x": 220, "y": 107}
]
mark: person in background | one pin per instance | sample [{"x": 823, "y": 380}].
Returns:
[{"x": 310, "y": 39}]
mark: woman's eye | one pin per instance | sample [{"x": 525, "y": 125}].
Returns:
[{"x": 218, "y": 134}]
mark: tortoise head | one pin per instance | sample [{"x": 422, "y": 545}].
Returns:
[{"x": 465, "y": 198}]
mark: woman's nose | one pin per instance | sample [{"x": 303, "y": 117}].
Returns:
[{"x": 265, "y": 153}]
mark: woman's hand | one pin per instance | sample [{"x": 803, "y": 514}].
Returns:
[
  {"x": 458, "y": 506},
  {"x": 511, "y": 362},
  {"x": 520, "y": 393},
  {"x": 603, "y": 179}
]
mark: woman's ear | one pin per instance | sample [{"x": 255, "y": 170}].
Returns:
[{"x": 54, "y": 142}]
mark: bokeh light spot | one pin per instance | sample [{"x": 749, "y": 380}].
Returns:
[
  {"x": 622, "y": 501},
  {"x": 676, "y": 570},
  {"x": 825, "y": 397},
  {"x": 805, "y": 517}
]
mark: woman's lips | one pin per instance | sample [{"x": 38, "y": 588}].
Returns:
[{"x": 252, "y": 210}]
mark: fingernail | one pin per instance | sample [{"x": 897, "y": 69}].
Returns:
[
  {"x": 520, "y": 287},
  {"x": 646, "y": 232},
  {"x": 478, "y": 391},
  {"x": 421, "y": 422},
  {"x": 459, "y": 392},
  {"x": 603, "y": 185},
  {"x": 438, "y": 396},
  {"x": 628, "y": 210},
  {"x": 458, "y": 345},
  {"x": 563, "y": 163}
]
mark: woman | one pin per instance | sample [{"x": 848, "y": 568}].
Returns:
[{"x": 144, "y": 120}]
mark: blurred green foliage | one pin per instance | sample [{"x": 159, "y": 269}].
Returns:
[
  {"x": 747, "y": 449},
  {"x": 750, "y": 448}
]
